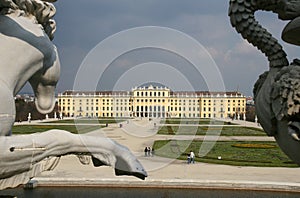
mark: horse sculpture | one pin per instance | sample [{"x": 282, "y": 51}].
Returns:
[
  {"x": 27, "y": 54},
  {"x": 277, "y": 92}
]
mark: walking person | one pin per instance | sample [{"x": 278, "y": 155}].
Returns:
[
  {"x": 192, "y": 157},
  {"x": 188, "y": 158},
  {"x": 152, "y": 152}
]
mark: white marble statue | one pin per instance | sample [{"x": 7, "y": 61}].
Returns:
[{"x": 27, "y": 54}]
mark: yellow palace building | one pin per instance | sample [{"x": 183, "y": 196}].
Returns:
[{"x": 152, "y": 102}]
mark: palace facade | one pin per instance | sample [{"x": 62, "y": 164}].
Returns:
[{"x": 152, "y": 102}]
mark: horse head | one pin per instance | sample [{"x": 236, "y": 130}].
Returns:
[
  {"x": 32, "y": 24},
  {"x": 44, "y": 83}
]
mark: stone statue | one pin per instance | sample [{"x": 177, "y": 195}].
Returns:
[
  {"x": 277, "y": 91},
  {"x": 27, "y": 54}
]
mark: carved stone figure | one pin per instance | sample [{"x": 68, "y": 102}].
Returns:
[
  {"x": 27, "y": 54},
  {"x": 277, "y": 91}
]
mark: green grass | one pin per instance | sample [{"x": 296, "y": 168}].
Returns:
[
  {"x": 201, "y": 121},
  {"x": 231, "y": 155},
  {"x": 212, "y": 130},
  {"x": 27, "y": 129}
]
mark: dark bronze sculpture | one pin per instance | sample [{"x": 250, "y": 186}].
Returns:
[{"x": 277, "y": 91}]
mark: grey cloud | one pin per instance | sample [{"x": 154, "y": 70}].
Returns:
[{"x": 82, "y": 24}]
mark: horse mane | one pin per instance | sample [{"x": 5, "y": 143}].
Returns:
[{"x": 40, "y": 11}]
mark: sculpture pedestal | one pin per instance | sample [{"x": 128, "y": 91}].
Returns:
[{"x": 291, "y": 32}]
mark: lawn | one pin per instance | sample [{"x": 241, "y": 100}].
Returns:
[
  {"x": 27, "y": 129},
  {"x": 266, "y": 154},
  {"x": 211, "y": 130},
  {"x": 201, "y": 121}
]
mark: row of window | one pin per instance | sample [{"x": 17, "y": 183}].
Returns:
[
  {"x": 150, "y": 93},
  {"x": 103, "y": 115},
  {"x": 96, "y": 108},
  {"x": 154, "y": 108},
  {"x": 150, "y": 100},
  {"x": 111, "y": 101}
]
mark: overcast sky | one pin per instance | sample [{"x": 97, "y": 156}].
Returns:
[{"x": 83, "y": 24}]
